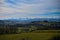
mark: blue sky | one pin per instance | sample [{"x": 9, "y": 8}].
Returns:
[{"x": 29, "y": 8}]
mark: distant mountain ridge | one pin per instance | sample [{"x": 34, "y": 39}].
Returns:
[
  {"x": 28, "y": 20},
  {"x": 36, "y": 19}
]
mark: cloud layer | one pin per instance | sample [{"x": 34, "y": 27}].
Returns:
[{"x": 29, "y": 8}]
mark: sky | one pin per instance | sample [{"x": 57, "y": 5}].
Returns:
[{"x": 29, "y": 9}]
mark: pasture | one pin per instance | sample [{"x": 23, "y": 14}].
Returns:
[{"x": 43, "y": 35}]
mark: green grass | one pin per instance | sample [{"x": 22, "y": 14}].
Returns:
[
  {"x": 30, "y": 36},
  {"x": 46, "y": 31}
]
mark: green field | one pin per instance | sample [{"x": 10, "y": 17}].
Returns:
[{"x": 29, "y": 36}]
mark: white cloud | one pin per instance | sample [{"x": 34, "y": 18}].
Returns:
[{"x": 24, "y": 8}]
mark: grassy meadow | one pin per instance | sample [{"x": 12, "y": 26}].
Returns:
[{"x": 42, "y": 35}]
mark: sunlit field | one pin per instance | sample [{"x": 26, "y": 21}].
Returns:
[{"x": 42, "y": 35}]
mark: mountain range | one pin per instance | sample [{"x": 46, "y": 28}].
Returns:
[{"x": 28, "y": 20}]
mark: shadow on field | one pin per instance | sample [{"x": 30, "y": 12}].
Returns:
[
  {"x": 56, "y": 37},
  {"x": 25, "y": 39}
]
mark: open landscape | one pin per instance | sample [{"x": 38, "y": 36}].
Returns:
[
  {"x": 32, "y": 30},
  {"x": 29, "y": 19}
]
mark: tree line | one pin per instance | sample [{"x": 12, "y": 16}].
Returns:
[{"x": 6, "y": 28}]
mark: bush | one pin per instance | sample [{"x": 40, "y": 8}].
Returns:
[{"x": 57, "y": 37}]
